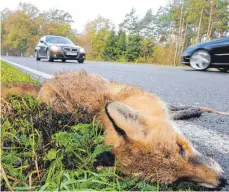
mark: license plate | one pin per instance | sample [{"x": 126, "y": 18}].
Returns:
[{"x": 70, "y": 53}]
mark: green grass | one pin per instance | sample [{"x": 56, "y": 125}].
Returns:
[
  {"x": 11, "y": 74},
  {"x": 37, "y": 139},
  {"x": 47, "y": 151}
]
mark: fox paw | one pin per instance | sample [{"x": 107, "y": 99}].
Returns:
[{"x": 104, "y": 159}]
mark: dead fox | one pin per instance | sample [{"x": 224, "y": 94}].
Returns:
[{"x": 146, "y": 142}]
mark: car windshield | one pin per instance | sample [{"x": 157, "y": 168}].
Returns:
[{"x": 59, "y": 40}]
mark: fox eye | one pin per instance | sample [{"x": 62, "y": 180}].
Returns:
[{"x": 181, "y": 151}]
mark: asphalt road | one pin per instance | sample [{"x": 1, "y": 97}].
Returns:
[{"x": 177, "y": 86}]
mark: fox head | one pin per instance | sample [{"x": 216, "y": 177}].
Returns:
[{"x": 149, "y": 148}]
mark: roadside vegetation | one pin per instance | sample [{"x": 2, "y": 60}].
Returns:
[
  {"x": 154, "y": 38},
  {"x": 47, "y": 151},
  {"x": 11, "y": 74}
]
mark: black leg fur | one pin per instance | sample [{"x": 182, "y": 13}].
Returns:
[
  {"x": 184, "y": 112},
  {"x": 105, "y": 159},
  {"x": 178, "y": 108}
]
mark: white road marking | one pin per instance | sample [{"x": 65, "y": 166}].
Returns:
[
  {"x": 39, "y": 73},
  {"x": 209, "y": 138}
]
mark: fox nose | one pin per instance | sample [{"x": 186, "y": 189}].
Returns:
[{"x": 222, "y": 180}]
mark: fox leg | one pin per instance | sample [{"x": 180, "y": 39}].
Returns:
[
  {"x": 184, "y": 112},
  {"x": 19, "y": 89},
  {"x": 178, "y": 108},
  {"x": 105, "y": 159},
  {"x": 187, "y": 112}
]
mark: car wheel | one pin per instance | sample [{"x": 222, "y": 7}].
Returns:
[
  {"x": 80, "y": 60},
  {"x": 200, "y": 60},
  {"x": 36, "y": 56},
  {"x": 49, "y": 56},
  {"x": 223, "y": 69},
  {"x": 63, "y": 60}
]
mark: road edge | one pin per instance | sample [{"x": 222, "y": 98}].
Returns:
[{"x": 38, "y": 73}]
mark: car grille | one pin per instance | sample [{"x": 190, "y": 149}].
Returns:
[{"x": 68, "y": 49}]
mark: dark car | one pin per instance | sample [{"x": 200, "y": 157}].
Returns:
[
  {"x": 58, "y": 47},
  {"x": 211, "y": 54}
]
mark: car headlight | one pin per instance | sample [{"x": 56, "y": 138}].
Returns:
[
  {"x": 55, "y": 48},
  {"x": 82, "y": 50}
]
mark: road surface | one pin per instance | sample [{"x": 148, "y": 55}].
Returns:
[{"x": 177, "y": 86}]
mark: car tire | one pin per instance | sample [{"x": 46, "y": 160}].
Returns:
[
  {"x": 63, "y": 60},
  {"x": 80, "y": 60},
  {"x": 224, "y": 70},
  {"x": 36, "y": 56},
  {"x": 200, "y": 60},
  {"x": 49, "y": 56}
]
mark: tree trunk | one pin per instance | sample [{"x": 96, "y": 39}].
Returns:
[
  {"x": 184, "y": 38},
  {"x": 199, "y": 27},
  {"x": 179, "y": 35},
  {"x": 210, "y": 20},
  {"x": 171, "y": 44}
]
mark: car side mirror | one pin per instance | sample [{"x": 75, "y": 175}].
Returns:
[{"x": 41, "y": 41}]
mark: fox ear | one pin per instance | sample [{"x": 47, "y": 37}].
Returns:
[{"x": 125, "y": 120}]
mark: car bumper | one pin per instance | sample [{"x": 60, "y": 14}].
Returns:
[
  {"x": 185, "y": 60},
  {"x": 64, "y": 55}
]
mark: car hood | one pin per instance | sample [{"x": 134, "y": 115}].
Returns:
[
  {"x": 63, "y": 45},
  {"x": 204, "y": 44},
  {"x": 212, "y": 42}
]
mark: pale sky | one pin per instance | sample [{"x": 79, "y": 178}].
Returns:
[{"x": 84, "y": 10}]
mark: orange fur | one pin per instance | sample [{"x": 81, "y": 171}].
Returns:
[
  {"x": 137, "y": 125},
  {"x": 19, "y": 89}
]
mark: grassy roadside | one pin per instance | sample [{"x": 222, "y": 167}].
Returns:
[
  {"x": 43, "y": 150},
  {"x": 11, "y": 74},
  {"x": 47, "y": 151}
]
